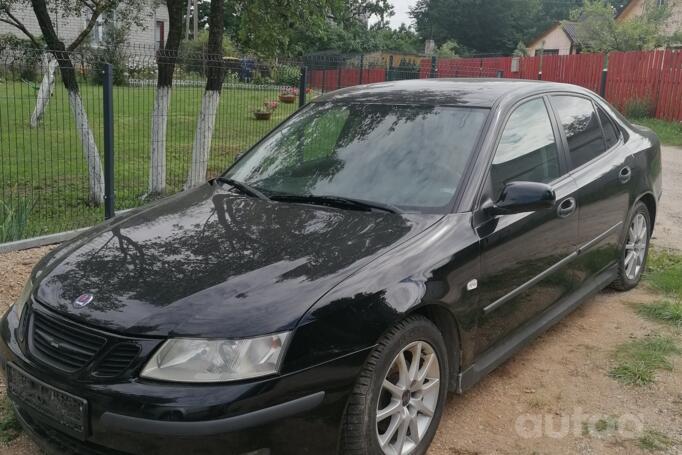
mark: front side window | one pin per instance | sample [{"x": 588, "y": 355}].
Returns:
[
  {"x": 581, "y": 126},
  {"x": 412, "y": 157},
  {"x": 527, "y": 151}
]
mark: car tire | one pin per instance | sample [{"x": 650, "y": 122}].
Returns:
[
  {"x": 634, "y": 249},
  {"x": 405, "y": 410}
]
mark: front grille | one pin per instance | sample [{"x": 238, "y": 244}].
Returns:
[
  {"x": 117, "y": 360},
  {"x": 62, "y": 345}
]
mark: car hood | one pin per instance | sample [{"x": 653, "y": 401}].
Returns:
[{"x": 213, "y": 263}]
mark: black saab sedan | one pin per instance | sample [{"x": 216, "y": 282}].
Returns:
[{"x": 385, "y": 245}]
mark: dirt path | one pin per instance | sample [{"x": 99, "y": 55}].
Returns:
[
  {"x": 668, "y": 232},
  {"x": 558, "y": 383}
]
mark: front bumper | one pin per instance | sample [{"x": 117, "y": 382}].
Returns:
[{"x": 297, "y": 413}]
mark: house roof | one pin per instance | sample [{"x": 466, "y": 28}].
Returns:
[
  {"x": 628, "y": 5},
  {"x": 568, "y": 27},
  {"x": 571, "y": 29}
]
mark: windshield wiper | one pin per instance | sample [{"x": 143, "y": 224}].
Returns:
[
  {"x": 243, "y": 187},
  {"x": 336, "y": 201}
]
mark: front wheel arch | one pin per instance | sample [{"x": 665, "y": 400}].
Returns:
[{"x": 449, "y": 328}]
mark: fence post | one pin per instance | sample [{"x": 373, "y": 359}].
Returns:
[
  {"x": 362, "y": 64},
  {"x": 108, "y": 114},
  {"x": 302, "y": 87},
  {"x": 604, "y": 79},
  {"x": 434, "y": 67},
  {"x": 604, "y": 76}
]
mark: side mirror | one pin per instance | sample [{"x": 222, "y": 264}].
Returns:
[{"x": 520, "y": 197}]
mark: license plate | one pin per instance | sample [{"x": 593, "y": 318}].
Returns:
[{"x": 52, "y": 406}]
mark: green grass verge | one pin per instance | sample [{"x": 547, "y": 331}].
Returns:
[
  {"x": 637, "y": 361},
  {"x": 9, "y": 426},
  {"x": 44, "y": 167},
  {"x": 670, "y": 133},
  {"x": 664, "y": 272},
  {"x": 662, "y": 311},
  {"x": 654, "y": 441}
]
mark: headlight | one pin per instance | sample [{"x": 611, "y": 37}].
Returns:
[
  {"x": 195, "y": 360},
  {"x": 25, "y": 295}
]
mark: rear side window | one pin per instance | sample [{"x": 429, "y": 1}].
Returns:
[
  {"x": 581, "y": 125},
  {"x": 528, "y": 150},
  {"x": 610, "y": 132}
]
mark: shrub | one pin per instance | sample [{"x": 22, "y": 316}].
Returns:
[
  {"x": 405, "y": 70},
  {"x": 111, "y": 51},
  {"x": 14, "y": 220},
  {"x": 639, "y": 108},
  {"x": 287, "y": 75},
  {"x": 21, "y": 58},
  {"x": 192, "y": 52}
]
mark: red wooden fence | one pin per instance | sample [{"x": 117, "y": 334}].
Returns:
[
  {"x": 670, "y": 88},
  {"x": 332, "y": 79},
  {"x": 581, "y": 69},
  {"x": 634, "y": 76},
  {"x": 653, "y": 76}
]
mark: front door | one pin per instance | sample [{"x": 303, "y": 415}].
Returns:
[{"x": 525, "y": 257}]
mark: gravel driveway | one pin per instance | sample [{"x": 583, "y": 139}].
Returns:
[{"x": 560, "y": 378}]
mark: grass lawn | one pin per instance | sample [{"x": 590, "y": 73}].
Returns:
[
  {"x": 670, "y": 133},
  {"x": 44, "y": 167}
]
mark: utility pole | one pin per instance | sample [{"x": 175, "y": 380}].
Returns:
[
  {"x": 189, "y": 11},
  {"x": 196, "y": 19}
]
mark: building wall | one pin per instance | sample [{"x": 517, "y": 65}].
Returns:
[
  {"x": 636, "y": 7},
  {"x": 383, "y": 58},
  {"x": 556, "y": 38},
  {"x": 144, "y": 36},
  {"x": 68, "y": 28}
]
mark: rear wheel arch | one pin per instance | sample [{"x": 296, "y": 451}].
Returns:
[{"x": 650, "y": 202}]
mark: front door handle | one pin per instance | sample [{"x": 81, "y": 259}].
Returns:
[
  {"x": 625, "y": 175},
  {"x": 567, "y": 207}
]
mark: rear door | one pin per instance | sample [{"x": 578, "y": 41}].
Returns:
[
  {"x": 601, "y": 166},
  {"x": 525, "y": 257}
]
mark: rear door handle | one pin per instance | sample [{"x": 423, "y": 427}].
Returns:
[
  {"x": 567, "y": 207},
  {"x": 625, "y": 175}
]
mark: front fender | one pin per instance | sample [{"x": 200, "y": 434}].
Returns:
[{"x": 432, "y": 268}]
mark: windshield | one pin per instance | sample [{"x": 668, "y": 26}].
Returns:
[{"x": 411, "y": 157}]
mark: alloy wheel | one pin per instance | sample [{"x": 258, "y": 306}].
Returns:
[
  {"x": 636, "y": 246},
  {"x": 408, "y": 399}
]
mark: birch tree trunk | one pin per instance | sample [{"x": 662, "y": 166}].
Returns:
[
  {"x": 167, "y": 59},
  {"x": 90, "y": 152},
  {"x": 68, "y": 73},
  {"x": 203, "y": 135},
  {"x": 157, "y": 166},
  {"x": 45, "y": 90}
]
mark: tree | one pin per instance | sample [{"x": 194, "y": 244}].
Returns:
[
  {"x": 277, "y": 28},
  {"x": 167, "y": 59},
  {"x": 209, "y": 102},
  {"x": 599, "y": 31},
  {"x": 521, "y": 50},
  {"x": 448, "y": 49},
  {"x": 61, "y": 54},
  {"x": 470, "y": 22}
]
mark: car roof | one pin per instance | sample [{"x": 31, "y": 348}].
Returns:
[{"x": 457, "y": 92}]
